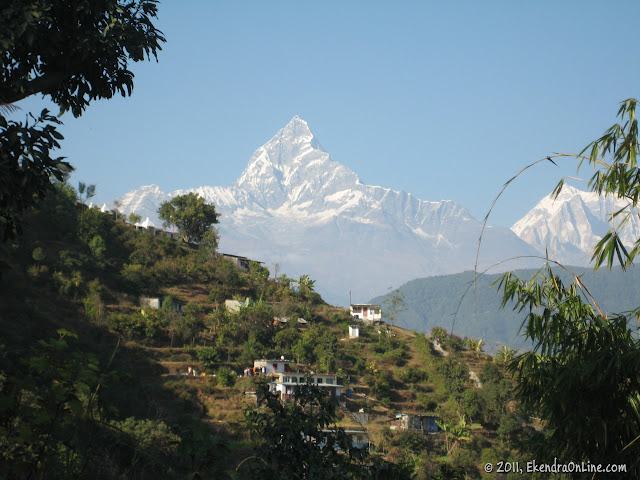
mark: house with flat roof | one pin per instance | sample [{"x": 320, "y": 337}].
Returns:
[
  {"x": 288, "y": 383},
  {"x": 241, "y": 262},
  {"x": 366, "y": 312},
  {"x": 277, "y": 365}
]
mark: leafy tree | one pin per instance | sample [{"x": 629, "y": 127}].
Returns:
[
  {"x": 258, "y": 278},
  {"x": 455, "y": 375},
  {"x": 471, "y": 403},
  {"x": 117, "y": 205},
  {"x": 26, "y": 167},
  {"x": 285, "y": 339},
  {"x": 133, "y": 218},
  {"x": 505, "y": 354},
  {"x": 86, "y": 191},
  {"x": 49, "y": 402},
  {"x": 252, "y": 349},
  {"x": 226, "y": 377},
  {"x": 208, "y": 245},
  {"x": 73, "y": 53},
  {"x": 190, "y": 214},
  {"x": 394, "y": 304},
  {"x": 208, "y": 356},
  {"x": 454, "y": 433},
  {"x": 306, "y": 284},
  {"x": 303, "y": 350},
  {"x": 97, "y": 246},
  {"x": 582, "y": 374}
]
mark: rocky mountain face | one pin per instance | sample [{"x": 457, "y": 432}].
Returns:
[
  {"x": 571, "y": 225},
  {"x": 294, "y": 206}
]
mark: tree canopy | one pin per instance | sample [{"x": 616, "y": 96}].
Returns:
[
  {"x": 73, "y": 52},
  {"x": 190, "y": 214}
]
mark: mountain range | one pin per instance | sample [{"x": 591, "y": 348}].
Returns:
[{"x": 296, "y": 207}]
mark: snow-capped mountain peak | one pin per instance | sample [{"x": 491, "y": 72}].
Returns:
[
  {"x": 572, "y": 224},
  {"x": 294, "y": 205}
]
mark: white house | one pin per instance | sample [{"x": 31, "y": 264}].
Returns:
[
  {"x": 286, "y": 384},
  {"x": 280, "y": 365},
  {"x": 366, "y": 312}
]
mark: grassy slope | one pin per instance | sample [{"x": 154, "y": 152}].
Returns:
[{"x": 33, "y": 309}]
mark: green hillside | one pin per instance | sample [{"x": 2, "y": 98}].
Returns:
[
  {"x": 449, "y": 301},
  {"x": 93, "y": 382}
]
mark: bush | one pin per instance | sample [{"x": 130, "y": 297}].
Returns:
[
  {"x": 412, "y": 375},
  {"x": 128, "y": 325},
  {"x": 208, "y": 356},
  {"x": 396, "y": 357},
  {"x": 226, "y": 377}
]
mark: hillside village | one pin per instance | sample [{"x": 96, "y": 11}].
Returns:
[
  {"x": 194, "y": 352},
  {"x": 193, "y": 336}
]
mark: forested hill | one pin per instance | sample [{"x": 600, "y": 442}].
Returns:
[{"x": 434, "y": 301}]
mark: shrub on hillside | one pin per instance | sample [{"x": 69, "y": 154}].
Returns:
[
  {"x": 129, "y": 325},
  {"x": 208, "y": 356},
  {"x": 412, "y": 374},
  {"x": 226, "y": 377}
]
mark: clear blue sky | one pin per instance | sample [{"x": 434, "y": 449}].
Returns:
[{"x": 445, "y": 100}]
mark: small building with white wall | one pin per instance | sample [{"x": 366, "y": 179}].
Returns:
[
  {"x": 288, "y": 383},
  {"x": 278, "y": 365},
  {"x": 366, "y": 312},
  {"x": 354, "y": 331}
]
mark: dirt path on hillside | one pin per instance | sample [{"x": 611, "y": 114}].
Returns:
[
  {"x": 438, "y": 348},
  {"x": 474, "y": 376}
]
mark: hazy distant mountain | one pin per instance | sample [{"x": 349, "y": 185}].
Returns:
[
  {"x": 293, "y": 205},
  {"x": 571, "y": 225},
  {"x": 449, "y": 302}
]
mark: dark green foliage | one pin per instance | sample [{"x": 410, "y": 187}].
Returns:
[
  {"x": 582, "y": 375},
  {"x": 412, "y": 375},
  {"x": 455, "y": 375},
  {"x": 226, "y": 377},
  {"x": 509, "y": 430},
  {"x": 129, "y": 325},
  {"x": 471, "y": 403},
  {"x": 252, "y": 349},
  {"x": 26, "y": 166},
  {"x": 144, "y": 446},
  {"x": 74, "y": 53},
  {"x": 48, "y": 402},
  {"x": 495, "y": 393},
  {"x": 285, "y": 339},
  {"x": 580, "y": 360},
  {"x": 382, "y": 386},
  {"x": 48, "y": 43},
  {"x": 299, "y": 440},
  {"x": 208, "y": 356},
  {"x": 191, "y": 215},
  {"x": 257, "y": 320},
  {"x": 208, "y": 245}
]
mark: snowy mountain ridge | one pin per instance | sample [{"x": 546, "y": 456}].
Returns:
[
  {"x": 571, "y": 225},
  {"x": 295, "y": 206}
]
